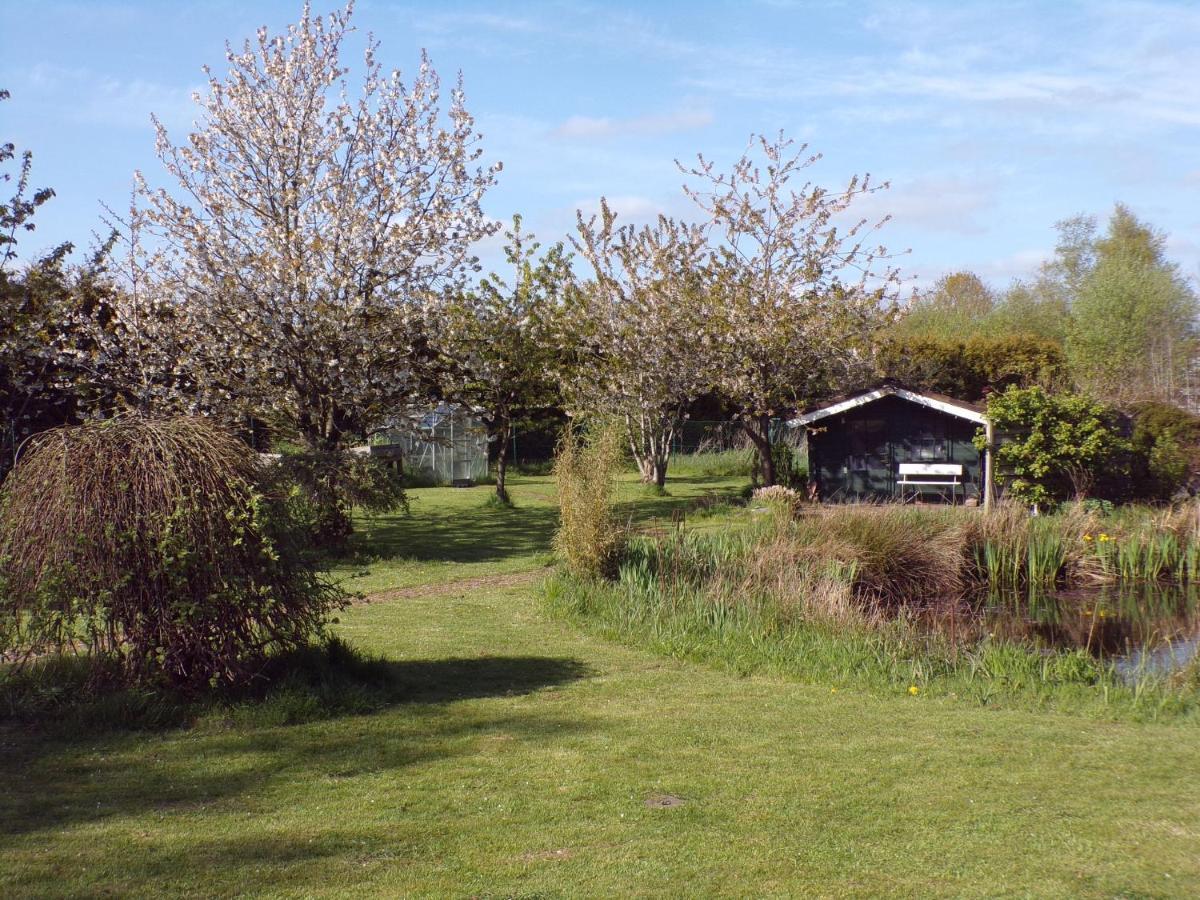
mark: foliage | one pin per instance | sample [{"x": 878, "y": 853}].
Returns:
[
  {"x": 965, "y": 369},
  {"x": 1053, "y": 446},
  {"x": 313, "y": 235},
  {"x": 1126, "y": 315},
  {"x": 627, "y": 327},
  {"x": 1166, "y": 449},
  {"x": 147, "y": 544},
  {"x": 797, "y": 298},
  {"x": 321, "y": 489},
  {"x": 589, "y": 537},
  {"x": 1133, "y": 330},
  {"x": 1030, "y": 309},
  {"x": 501, "y": 343},
  {"x": 34, "y": 306},
  {"x": 952, "y": 310}
]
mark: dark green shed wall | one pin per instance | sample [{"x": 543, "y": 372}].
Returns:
[{"x": 854, "y": 455}]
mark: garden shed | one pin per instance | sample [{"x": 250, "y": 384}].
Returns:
[
  {"x": 447, "y": 445},
  {"x": 892, "y": 442}
]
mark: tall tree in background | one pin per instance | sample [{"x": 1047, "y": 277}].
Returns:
[
  {"x": 800, "y": 298},
  {"x": 1134, "y": 319},
  {"x": 953, "y": 309},
  {"x": 501, "y": 342},
  {"x": 636, "y": 330},
  {"x": 311, "y": 236}
]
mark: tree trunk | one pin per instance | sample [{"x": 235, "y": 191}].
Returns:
[
  {"x": 502, "y": 463},
  {"x": 659, "y": 473},
  {"x": 760, "y": 436}
]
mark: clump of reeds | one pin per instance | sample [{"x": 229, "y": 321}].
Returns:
[
  {"x": 147, "y": 545},
  {"x": 589, "y": 537}
]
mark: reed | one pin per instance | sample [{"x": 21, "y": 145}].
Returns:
[{"x": 890, "y": 595}]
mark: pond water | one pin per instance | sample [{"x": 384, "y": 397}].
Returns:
[{"x": 1138, "y": 627}]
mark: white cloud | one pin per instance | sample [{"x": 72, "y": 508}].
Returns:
[
  {"x": 87, "y": 96},
  {"x": 589, "y": 128},
  {"x": 629, "y": 207},
  {"x": 948, "y": 205}
]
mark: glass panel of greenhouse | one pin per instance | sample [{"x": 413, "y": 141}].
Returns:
[{"x": 447, "y": 444}]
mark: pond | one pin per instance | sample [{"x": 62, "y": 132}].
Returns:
[{"x": 1139, "y": 627}]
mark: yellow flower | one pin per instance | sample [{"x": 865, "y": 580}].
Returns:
[
  {"x": 913, "y": 689},
  {"x": 1087, "y": 537},
  {"x": 1104, "y": 537},
  {"x": 833, "y": 690}
]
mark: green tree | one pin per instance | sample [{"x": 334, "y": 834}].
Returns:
[
  {"x": 1035, "y": 309},
  {"x": 1133, "y": 330},
  {"x": 954, "y": 308},
  {"x": 500, "y": 340},
  {"x": 966, "y": 369},
  {"x": 1053, "y": 446}
]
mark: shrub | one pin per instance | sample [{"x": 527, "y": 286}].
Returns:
[
  {"x": 147, "y": 544},
  {"x": 1166, "y": 449},
  {"x": 1053, "y": 446},
  {"x": 320, "y": 490},
  {"x": 589, "y": 537}
]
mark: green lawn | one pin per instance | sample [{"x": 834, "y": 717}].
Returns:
[{"x": 520, "y": 757}]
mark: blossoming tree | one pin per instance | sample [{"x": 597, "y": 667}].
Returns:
[
  {"x": 634, "y": 330},
  {"x": 798, "y": 291},
  {"x": 313, "y": 232}
]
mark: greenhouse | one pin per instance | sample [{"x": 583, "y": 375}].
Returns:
[{"x": 448, "y": 445}]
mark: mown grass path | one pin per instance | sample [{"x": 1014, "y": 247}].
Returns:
[{"x": 527, "y": 759}]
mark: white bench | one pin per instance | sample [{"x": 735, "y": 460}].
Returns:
[{"x": 917, "y": 476}]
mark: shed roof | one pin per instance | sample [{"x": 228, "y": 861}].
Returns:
[{"x": 961, "y": 408}]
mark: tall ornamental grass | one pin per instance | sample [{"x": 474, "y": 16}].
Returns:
[{"x": 590, "y": 538}]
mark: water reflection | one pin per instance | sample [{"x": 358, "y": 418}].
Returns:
[{"x": 1138, "y": 626}]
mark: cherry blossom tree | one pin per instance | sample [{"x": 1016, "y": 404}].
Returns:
[
  {"x": 312, "y": 233},
  {"x": 502, "y": 341},
  {"x": 798, "y": 291},
  {"x": 635, "y": 327}
]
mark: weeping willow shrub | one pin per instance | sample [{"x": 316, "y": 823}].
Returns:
[
  {"x": 590, "y": 538},
  {"x": 148, "y": 546}
]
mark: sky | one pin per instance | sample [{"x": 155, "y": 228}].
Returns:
[{"x": 991, "y": 121}]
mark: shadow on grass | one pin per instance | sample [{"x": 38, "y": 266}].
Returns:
[
  {"x": 57, "y": 699},
  {"x": 478, "y": 534},
  {"x": 330, "y": 716}
]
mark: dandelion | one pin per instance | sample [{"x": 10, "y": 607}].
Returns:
[
  {"x": 833, "y": 690},
  {"x": 1104, "y": 537},
  {"x": 913, "y": 689},
  {"x": 1087, "y": 537}
]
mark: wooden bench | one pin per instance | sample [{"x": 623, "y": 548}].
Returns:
[{"x": 918, "y": 476}]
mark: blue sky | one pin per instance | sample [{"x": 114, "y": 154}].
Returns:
[{"x": 991, "y": 120}]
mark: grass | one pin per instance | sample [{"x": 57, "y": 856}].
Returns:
[
  {"x": 889, "y": 598},
  {"x": 498, "y": 752},
  {"x": 720, "y": 463},
  {"x": 459, "y": 534}
]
